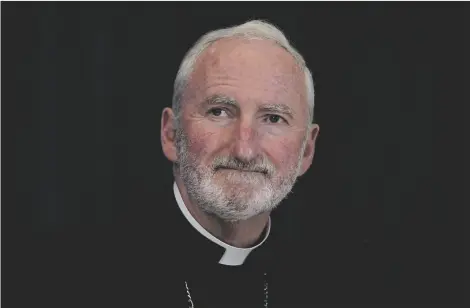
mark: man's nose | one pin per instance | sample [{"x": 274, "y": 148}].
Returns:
[{"x": 246, "y": 143}]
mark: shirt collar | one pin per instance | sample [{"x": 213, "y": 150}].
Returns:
[{"x": 233, "y": 255}]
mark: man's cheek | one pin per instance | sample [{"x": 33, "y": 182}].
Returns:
[
  {"x": 201, "y": 145},
  {"x": 285, "y": 153},
  {"x": 206, "y": 140}
]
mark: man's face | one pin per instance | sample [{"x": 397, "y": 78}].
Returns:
[{"x": 242, "y": 129}]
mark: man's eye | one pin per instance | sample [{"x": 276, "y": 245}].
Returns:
[
  {"x": 274, "y": 119},
  {"x": 217, "y": 112}
]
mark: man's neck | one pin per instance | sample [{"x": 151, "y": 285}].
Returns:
[{"x": 242, "y": 234}]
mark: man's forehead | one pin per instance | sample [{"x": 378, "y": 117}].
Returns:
[
  {"x": 254, "y": 61},
  {"x": 242, "y": 48}
]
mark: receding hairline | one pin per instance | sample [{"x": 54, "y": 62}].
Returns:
[
  {"x": 214, "y": 51},
  {"x": 214, "y": 48}
]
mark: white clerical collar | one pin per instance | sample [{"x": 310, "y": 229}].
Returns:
[{"x": 233, "y": 255}]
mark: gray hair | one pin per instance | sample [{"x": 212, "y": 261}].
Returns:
[{"x": 254, "y": 29}]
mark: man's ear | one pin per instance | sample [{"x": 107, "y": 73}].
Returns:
[
  {"x": 309, "y": 151},
  {"x": 168, "y": 134}
]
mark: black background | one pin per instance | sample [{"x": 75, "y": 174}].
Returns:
[{"x": 84, "y": 84}]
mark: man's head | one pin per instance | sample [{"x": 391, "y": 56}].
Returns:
[{"x": 240, "y": 132}]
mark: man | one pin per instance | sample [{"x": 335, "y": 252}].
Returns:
[{"x": 239, "y": 135}]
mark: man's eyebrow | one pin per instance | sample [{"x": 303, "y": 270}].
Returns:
[
  {"x": 278, "y": 108},
  {"x": 220, "y": 100}
]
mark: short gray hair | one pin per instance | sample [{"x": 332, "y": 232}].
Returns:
[{"x": 255, "y": 29}]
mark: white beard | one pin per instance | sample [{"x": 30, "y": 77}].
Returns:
[{"x": 236, "y": 195}]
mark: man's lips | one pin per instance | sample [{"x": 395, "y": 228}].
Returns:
[{"x": 241, "y": 170}]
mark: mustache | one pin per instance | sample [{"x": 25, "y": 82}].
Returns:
[{"x": 258, "y": 165}]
